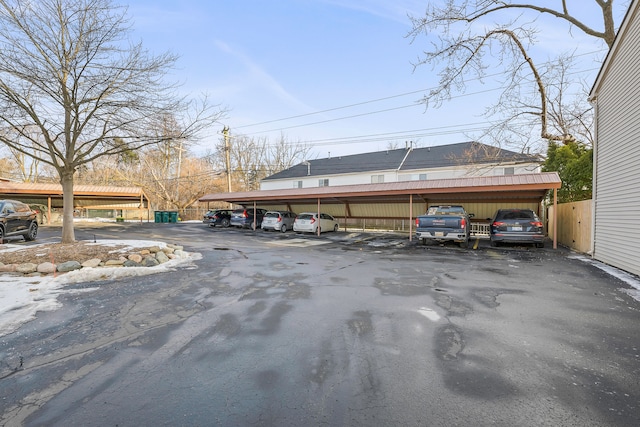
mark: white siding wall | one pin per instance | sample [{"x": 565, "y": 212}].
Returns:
[
  {"x": 393, "y": 176},
  {"x": 617, "y": 175}
]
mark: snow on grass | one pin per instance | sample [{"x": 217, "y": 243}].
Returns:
[{"x": 21, "y": 297}]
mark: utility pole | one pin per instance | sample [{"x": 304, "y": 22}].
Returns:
[{"x": 227, "y": 151}]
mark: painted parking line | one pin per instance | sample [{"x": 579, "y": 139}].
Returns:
[{"x": 300, "y": 243}]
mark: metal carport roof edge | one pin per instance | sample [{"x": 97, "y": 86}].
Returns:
[{"x": 527, "y": 182}]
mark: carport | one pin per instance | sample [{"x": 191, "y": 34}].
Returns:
[
  {"x": 85, "y": 196},
  {"x": 406, "y": 199}
]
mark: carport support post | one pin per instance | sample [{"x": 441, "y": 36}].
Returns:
[
  {"x": 555, "y": 218},
  {"x": 255, "y": 224},
  {"x": 319, "y": 222},
  {"x": 410, "y": 217}
]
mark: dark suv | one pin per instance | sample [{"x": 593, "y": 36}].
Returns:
[
  {"x": 516, "y": 226},
  {"x": 221, "y": 217},
  {"x": 243, "y": 217},
  {"x": 17, "y": 219}
]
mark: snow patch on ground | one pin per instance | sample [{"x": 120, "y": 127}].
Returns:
[
  {"x": 21, "y": 297},
  {"x": 628, "y": 278}
]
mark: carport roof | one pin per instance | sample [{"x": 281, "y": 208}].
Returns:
[
  {"x": 530, "y": 187},
  {"x": 104, "y": 194}
]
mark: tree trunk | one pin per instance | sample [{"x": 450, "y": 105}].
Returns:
[{"x": 68, "y": 233}]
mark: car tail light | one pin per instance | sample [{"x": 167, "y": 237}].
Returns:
[
  {"x": 497, "y": 224},
  {"x": 313, "y": 220},
  {"x": 417, "y": 222},
  {"x": 536, "y": 224},
  {"x": 463, "y": 223},
  {"x": 279, "y": 219},
  {"x": 244, "y": 214}
]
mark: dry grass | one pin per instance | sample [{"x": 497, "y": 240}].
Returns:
[{"x": 58, "y": 253}]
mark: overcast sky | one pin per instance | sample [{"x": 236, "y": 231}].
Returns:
[{"x": 273, "y": 60}]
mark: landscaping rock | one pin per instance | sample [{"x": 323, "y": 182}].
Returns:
[
  {"x": 26, "y": 268},
  {"x": 46, "y": 268},
  {"x": 8, "y": 268},
  {"x": 137, "y": 258},
  {"x": 145, "y": 257},
  {"x": 150, "y": 262},
  {"x": 92, "y": 263},
  {"x": 69, "y": 266},
  {"x": 161, "y": 257}
]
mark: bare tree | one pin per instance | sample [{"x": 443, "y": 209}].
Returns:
[
  {"x": 566, "y": 108},
  {"x": 466, "y": 37},
  {"x": 253, "y": 159},
  {"x": 283, "y": 154},
  {"x": 70, "y": 71}
]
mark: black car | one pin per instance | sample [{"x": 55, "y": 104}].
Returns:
[
  {"x": 221, "y": 217},
  {"x": 17, "y": 219},
  {"x": 516, "y": 226},
  {"x": 243, "y": 218}
]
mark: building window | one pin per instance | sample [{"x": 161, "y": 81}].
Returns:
[
  {"x": 297, "y": 184},
  {"x": 509, "y": 171},
  {"x": 377, "y": 179},
  {"x": 413, "y": 177},
  {"x": 323, "y": 182}
]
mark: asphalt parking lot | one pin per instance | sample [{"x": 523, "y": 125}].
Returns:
[{"x": 349, "y": 328}]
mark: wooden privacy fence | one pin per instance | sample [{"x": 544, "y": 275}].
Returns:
[{"x": 574, "y": 225}]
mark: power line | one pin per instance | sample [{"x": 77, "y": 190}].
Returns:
[{"x": 385, "y": 99}]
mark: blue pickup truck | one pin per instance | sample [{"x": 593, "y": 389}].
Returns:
[{"x": 444, "y": 223}]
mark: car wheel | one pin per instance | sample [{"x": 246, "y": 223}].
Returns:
[
  {"x": 335, "y": 228},
  {"x": 539, "y": 245},
  {"x": 225, "y": 222},
  {"x": 253, "y": 226},
  {"x": 464, "y": 245},
  {"x": 283, "y": 228},
  {"x": 494, "y": 244},
  {"x": 32, "y": 233},
  {"x": 1, "y": 235}
]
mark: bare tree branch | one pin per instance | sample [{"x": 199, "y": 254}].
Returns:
[{"x": 466, "y": 49}]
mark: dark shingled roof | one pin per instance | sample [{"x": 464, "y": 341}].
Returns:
[{"x": 403, "y": 159}]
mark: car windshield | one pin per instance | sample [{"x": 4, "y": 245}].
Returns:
[
  {"x": 516, "y": 215},
  {"x": 445, "y": 210}
]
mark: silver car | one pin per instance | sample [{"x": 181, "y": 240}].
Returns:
[
  {"x": 278, "y": 221},
  {"x": 308, "y": 223}
]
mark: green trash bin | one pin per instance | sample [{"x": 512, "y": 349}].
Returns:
[
  {"x": 157, "y": 216},
  {"x": 173, "y": 217},
  {"x": 165, "y": 216}
]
